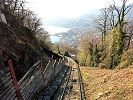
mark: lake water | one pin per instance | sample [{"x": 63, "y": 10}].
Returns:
[
  {"x": 54, "y": 39},
  {"x": 53, "y": 30}
]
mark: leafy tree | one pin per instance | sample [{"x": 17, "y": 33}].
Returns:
[
  {"x": 115, "y": 40},
  {"x": 88, "y": 50}
]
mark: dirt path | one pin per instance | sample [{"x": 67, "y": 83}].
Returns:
[{"x": 104, "y": 84}]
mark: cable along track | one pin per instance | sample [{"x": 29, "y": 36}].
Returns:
[{"x": 72, "y": 86}]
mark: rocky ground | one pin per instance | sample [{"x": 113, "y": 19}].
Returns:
[{"x": 105, "y": 84}]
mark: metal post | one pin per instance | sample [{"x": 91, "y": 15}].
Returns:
[
  {"x": 53, "y": 73},
  {"x": 59, "y": 66},
  {"x": 54, "y": 65},
  {"x": 14, "y": 79},
  {"x": 42, "y": 74}
]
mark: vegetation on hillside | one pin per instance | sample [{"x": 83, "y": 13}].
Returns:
[
  {"x": 115, "y": 42},
  {"x": 104, "y": 84},
  {"x": 22, "y": 36}
]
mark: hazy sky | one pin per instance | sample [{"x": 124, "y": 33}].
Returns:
[
  {"x": 48, "y": 9},
  {"x": 64, "y": 8}
]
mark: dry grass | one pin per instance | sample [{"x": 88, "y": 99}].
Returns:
[{"x": 105, "y": 84}]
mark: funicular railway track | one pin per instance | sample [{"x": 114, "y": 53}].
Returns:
[
  {"x": 67, "y": 85},
  {"x": 57, "y": 81},
  {"x": 72, "y": 86}
]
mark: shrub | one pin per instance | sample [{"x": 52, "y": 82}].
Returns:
[
  {"x": 127, "y": 56},
  {"x": 103, "y": 66},
  {"x": 122, "y": 65},
  {"x": 126, "y": 59}
]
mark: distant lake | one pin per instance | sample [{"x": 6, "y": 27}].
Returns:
[
  {"x": 54, "y": 39},
  {"x": 53, "y": 30}
]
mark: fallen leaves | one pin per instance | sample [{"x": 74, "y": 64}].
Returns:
[{"x": 105, "y": 84}]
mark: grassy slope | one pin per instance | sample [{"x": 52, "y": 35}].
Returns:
[{"x": 104, "y": 84}]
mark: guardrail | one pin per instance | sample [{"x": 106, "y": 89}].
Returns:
[
  {"x": 37, "y": 77},
  {"x": 82, "y": 91}
]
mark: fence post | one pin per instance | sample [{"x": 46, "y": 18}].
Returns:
[
  {"x": 42, "y": 74},
  {"x": 58, "y": 69},
  {"x": 53, "y": 70},
  {"x": 60, "y": 65},
  {"x": 15, "y": 83}
]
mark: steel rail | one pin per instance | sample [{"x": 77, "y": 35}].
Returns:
[{"x": 82, "y": 93}]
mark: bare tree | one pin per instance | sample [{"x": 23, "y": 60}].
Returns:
[
  {"x": 129, "y": 35},
  {"x": 121, "y": 13},
  {"x": 103, "y": 22}
]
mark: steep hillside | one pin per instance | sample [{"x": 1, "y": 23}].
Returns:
[
  {"x": 21, "y": 45},
  {"x": 104, "y": 84}
]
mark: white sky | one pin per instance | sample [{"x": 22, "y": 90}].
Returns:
[
  {"x": 48, "y": 9},
  {"x": 63, "y": 8}
]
